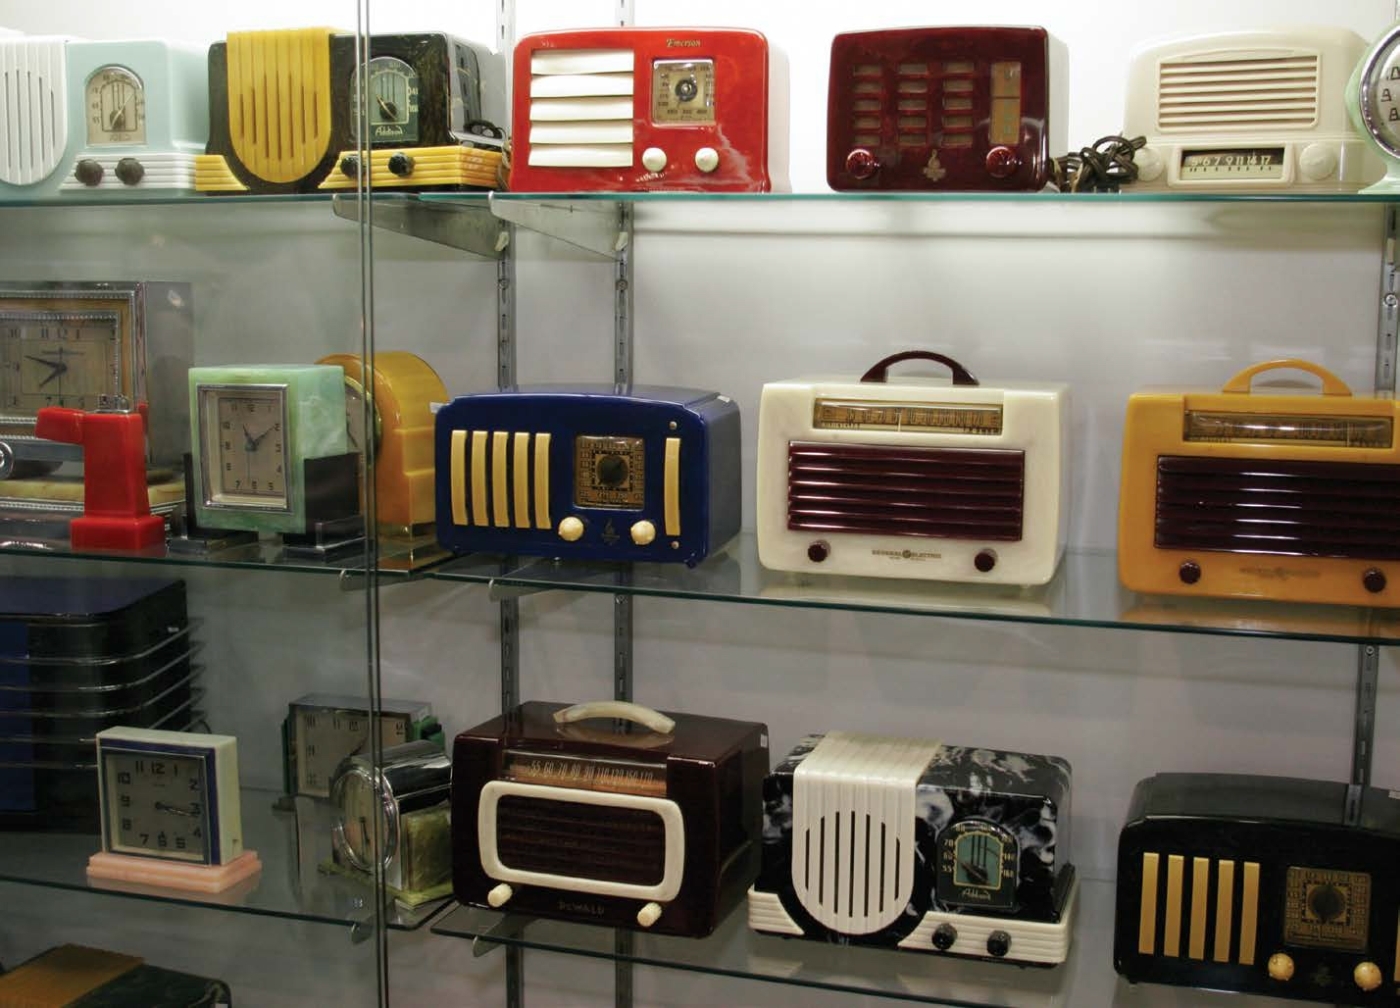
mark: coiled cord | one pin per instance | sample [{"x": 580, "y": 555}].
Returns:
[{"x": 1104, "y": 167}]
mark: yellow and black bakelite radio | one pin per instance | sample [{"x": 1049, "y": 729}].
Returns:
[
  {"x": 1283, "y": 495},
  {"x": 915, "y": 845},
  {"x": 608, "y": 813},
  {"x": 283, "y": 113},
  {"x": 1259, "y": 885}
]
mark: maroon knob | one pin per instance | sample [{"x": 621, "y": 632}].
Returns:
[
  {"x": 1189, "y": 572},
  {"x": 1374, "y": 580},
  {"x": 1002, "y": 162},
  {"x": 861, "y": 163},
  {"x": 985, "y": 560},
  {"x": 818, "y": 551}
]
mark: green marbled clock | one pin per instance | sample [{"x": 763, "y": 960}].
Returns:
[{"x": 254, "y": 429}]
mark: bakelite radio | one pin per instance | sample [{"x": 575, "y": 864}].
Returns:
[
  {"x": 915, "y": 478},
  {"x": 1260, "y": 885},
  {"x": 915, "y": 845},
  {"x": 945, "y": 108},
  {"x": 283, "y": 119},
  {"x": 621, "y": 109},
  {"x": 585, "y": 472},
  {"x": 1285, "y": 495},
  {"x": 609, "y": 814},
  {"x": 1248, "y": 111}
]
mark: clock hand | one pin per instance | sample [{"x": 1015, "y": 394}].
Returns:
[
  {"x": 259, "y": 439},
  {"x": 176, "y": 809},
  {"x": 117, "y": 117},
  {"x": 249, "y": 442},
  {"x": 57, "y": 368}
]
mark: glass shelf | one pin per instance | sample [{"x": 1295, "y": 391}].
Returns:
[
  {"x": 1084, "y": 592},
  {"x": 854, "y": 198},
  {"x": 735, "y": 951},
  {"x": 292, "y": 841}
]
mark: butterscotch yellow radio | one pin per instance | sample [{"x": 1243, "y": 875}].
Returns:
[{"x": 1277, "y": 494}]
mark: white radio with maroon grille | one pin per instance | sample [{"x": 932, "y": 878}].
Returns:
[{"x": 937, "y": 478}]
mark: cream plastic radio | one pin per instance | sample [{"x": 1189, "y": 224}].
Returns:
[
  {"x": 921, "y": 478},
  {"x": 1249, "y": 111}
]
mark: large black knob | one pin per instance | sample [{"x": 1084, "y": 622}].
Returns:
[
  {"x": 88, "y": 172},
  {"x": 944, "y": 936},
  {"x": 350, "y": 166},
  {"x": 401, "y": 164},
  {"x": 1327, "y": 902},
  {"x": 612, "y": 471},
  {"x": 130, "y": 171},
  {"x": 998, "y": 943}
]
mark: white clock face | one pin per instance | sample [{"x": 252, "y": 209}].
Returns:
[
  {"x": 1383, "y": 92},
  {"x": 156, "y": 804},
  {"x": 245, "y": 446},
  {"x": 325, "y": 736},
  {"x": 57, "y": 359},
  {"x": 115, "y": 103}
]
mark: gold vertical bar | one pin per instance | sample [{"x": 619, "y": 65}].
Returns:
[
  {"x": 1147, "y": 905},
  {"x": 542, "y": 481},
  {"x": 1176, "y": 872},
  {"x": 459, "y": 477},
  {"x": 671, "y": 487},
  {"x": 500, "y": 489},
  {"x": 522, "y": 479},
  {"x": 1249, "y": 912},
  {"x": 1224, "y": 908},
  {"x": 1200, "y": 884},
  {"x": 479, "y": 515}
]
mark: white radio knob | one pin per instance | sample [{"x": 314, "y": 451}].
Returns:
[
  {"x": 571, "y": 529},
  {"x": 649, "y": 914},
  {"x": 1149, "y": 164},
  {"x": 1318, "y": 161},
  {"x": 499, "y": 895},
  {"x": 643, "y": 532},
  {"x": 653, "y": 159},
  {"x": 707, "y": 159}
]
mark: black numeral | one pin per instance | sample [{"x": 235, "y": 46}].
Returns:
[
  {"x": 123, "y": 777},
  {"x": 126, "y": 825},
  {"x": 162, "y": 840},
  {"x": 179, "y": 843},
  {"x": 125, "y": 801},
  {"x": 194, "y": 783}
]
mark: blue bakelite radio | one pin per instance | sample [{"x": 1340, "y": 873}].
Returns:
[{"x": 587, "y": 472}]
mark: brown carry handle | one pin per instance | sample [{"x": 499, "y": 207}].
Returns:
[
  {"x": 1331, "y": 384},
  {"x": 878, "y": 373}
]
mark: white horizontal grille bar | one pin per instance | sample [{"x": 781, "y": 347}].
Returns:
[{"x": 581, "y": 61}]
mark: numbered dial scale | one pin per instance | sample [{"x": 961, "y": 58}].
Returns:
[
  {"x": 391, "y": 99},
  {"x": 1373, "y": 101},
  {"x": 115, "y": 101}
]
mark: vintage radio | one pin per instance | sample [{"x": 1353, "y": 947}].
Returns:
[
  {"x": 912, "y": 844},
  {"x": 1285, "y": 495},
  {"x": 640, "y": 821},
  {"x": 920, "y": 478},
  {"x": 947, "y": 108},
  {"x": 653, "y": 474},
  {"x": 620, "y": 109},
  {"x": 1249, "y": 111},
  {"x": 1258, "y": 884},
  {"x": 433, "y": 103}
]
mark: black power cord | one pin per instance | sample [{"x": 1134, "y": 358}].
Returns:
[{"x": 1104, "y": 167}]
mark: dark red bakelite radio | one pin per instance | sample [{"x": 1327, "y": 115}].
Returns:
[{"x": 947, "y": 108}]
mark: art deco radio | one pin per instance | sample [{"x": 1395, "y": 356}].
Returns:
[
  {"x": 642, "y": 820},
  {"x": 283, "y": 117},
  {"x": 653, "y": 474},
  {"x": 1257, "y": 884},
  {"x": 1284, "y": 495},
  {"x": 911, "y": 844},
  {"x": 949, "y": 108},
  {"x": 619, "y": 109},
  {"x": 916, "y": 478},
  {"x": 1250, "y": 111}
]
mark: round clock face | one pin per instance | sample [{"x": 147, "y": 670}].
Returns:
[
  {"x": 977, "y": 862},
  {"x": 392, "y": 97},
  {"x": 1380, "y": 93},
  {"x": 57, "y": 358},
  {"x": 357, "y": 805},
  {"x": 157, "y": 805},
  {"x": 245, "y": 445},
  {"x": 115, "y": 103},
  {"x": 323, "y": 736}
]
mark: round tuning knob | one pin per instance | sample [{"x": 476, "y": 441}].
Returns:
[
  {"x": 88, "y": 172},
  {"x": 1189, "y": 572},
  {"x": 643, "y": 532},
  {"x": 498, "y": 896},
  {"x": 985, "y": 560},
  {"x": 1281, "y": 967},
  {"x": 130, "y": 171},
  {"x": 1002, "y": 162},
  {"x": 862, "y": 164},
  {"x": 998, "y": 944},
  {"x": 1327, "y": 902},
  {"x": 649, "y": 914},
  {"x": 1317, "y": 161},
  {"x": 1367, "y": 976},
  {"x": 571, "y": 529},
  {"x": 401, "y": 164},
  {"x": 653, "y": 159},
  {"x": 707, "y": 159},
  {"x": 350, "y": 166},
  {"x": 1373, "y": 580},
  {"x": 944, "y": 936}
]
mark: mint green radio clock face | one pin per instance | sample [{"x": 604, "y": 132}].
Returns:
[{"x": 1373, "y": 101}]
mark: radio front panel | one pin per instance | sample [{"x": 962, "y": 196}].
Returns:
[
  {"x": 625, "y": 109},
  {"x": 1254, "y": 884},
  {"x": 947, "y": 108},
  {"x": 595, "y": 476},
  {"x": 913, "y": 479}
]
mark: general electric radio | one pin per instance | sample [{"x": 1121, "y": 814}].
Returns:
[
  {"x": 283, "y": 112},
  {"x": 609, "y": 814},
  {"x": 915, "y": 845},
  {"x": 653, "y": 474},
  {"x": 620, "y": 109},
  {"x": 936, "y": 478},
  {"x": 1249, "y": 111},
  {"x": 1284, "y": 495},
  {"x": 1259, "y": 885},
  {"x": 945, "y": 109}
]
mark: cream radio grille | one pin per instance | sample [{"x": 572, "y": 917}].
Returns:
[
  {"x": 1264, "y": 92},
  {"x": 500, "y": 478},
  {"x": 1198, "y": 908},
  {"x": 581, "y": 108},
  {"x": 33, "y": 109}
]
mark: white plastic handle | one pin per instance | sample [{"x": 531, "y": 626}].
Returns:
[{"x": 644, "y": 716}]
